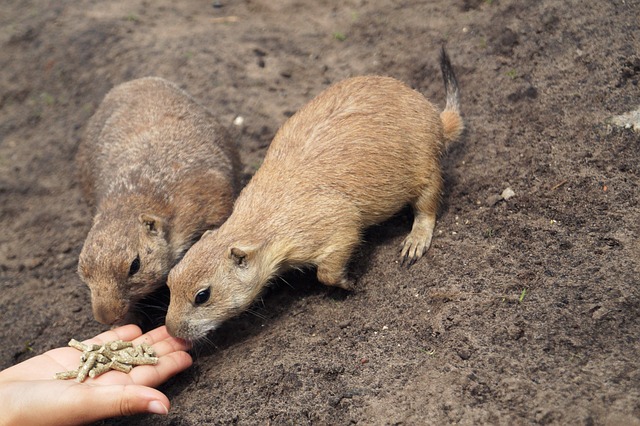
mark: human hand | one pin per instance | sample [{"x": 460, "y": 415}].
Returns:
[{"x": 30, "y": 395}]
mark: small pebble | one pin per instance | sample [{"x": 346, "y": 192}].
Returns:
[
  {"x": 493, "y": 200},
  {"x": 629, "y": 120},
  {"x": 464, "y": 354},
  {"x": 507, "y": 193},
  {"x": 344, "y": 324}
]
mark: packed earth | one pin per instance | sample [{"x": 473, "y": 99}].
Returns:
[{"x": 525, "y": 309}]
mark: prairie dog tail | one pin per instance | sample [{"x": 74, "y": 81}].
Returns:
[{"x": 451, "y": 119}]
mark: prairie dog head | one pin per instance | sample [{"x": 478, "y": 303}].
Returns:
[
  {"x": 214, "y": 281},
  {"x": 123, "y": 260}
]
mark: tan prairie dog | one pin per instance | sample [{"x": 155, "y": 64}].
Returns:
[
  {"x": 350, "y": 158},
  {"x": 159, "y": 170}
]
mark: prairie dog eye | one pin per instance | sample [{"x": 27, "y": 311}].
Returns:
[
  {"x": 135, "y": 266},
  {"x": 202, "y": 296}
]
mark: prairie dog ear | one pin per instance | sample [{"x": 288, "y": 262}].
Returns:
[
  {"x": 97, "y": 218},
  {"x": 241, "y": 256},
  {"x": 154, "y": 224},
  {"x": 207, "y": 233}
]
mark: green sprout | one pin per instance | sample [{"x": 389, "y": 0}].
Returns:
[
  {"x": 339, "y": 36},
  {"x": 47, "y": 98},
  {"x": 522, "y": 295},
  {"x": 512, "y": 74}
]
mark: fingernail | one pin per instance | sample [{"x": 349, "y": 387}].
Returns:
[{"x": 157, "y": 407}]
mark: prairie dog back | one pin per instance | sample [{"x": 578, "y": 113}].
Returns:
[
  {"x": 148, "y": 131},
  {"x": 370, "y": 174},
  {"x": 159, "y": 170}
]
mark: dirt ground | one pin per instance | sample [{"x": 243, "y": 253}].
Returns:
[{"x": 524, "y": 311}]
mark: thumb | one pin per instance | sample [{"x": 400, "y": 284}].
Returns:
[
  {"x": 101, "y": 402},
  {"x": 126, "y": 400}
]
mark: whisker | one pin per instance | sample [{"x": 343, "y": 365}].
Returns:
[
  {"x": 202, "y": 344},
  {"x": 257, "y": 314},
  {"x": 287, "y": 283}
]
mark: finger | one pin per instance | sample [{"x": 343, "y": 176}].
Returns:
[
  {"x": 153, "y": 336},
  {"x": 169, "y": 345},
  {"x": 133, "y": 333},
  {"x": 126, "y": 332},
  {"x": 162, "y": 342},
  {"x": 158, "y": 335},
  {"x": 167, "y": 367}
]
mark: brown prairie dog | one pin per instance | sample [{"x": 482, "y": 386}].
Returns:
[
  {"x": 350, "y": 158},
  {"x": 159, "y": 171}
]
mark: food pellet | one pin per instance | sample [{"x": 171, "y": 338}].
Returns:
[
  {"x": 117, "y": 355},
  {"x": 117, "y": 365},
  {"x": 72, "y": 374},
  {"x": 88, "y": 365},
  {"x": 119, "y": 344},
  {"x": 98, "y": 370}
]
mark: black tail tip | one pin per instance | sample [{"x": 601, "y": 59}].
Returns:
[
  {"x": 450, "y": 81},
  {"x": 445, "y": 62}
]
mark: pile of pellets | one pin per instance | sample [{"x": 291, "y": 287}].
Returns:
[{"x": 117, "y": 355}]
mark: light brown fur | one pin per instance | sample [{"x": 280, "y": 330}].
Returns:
[
  {"x": 350, "y": 158},
  {"x": 159, "y": 171}
]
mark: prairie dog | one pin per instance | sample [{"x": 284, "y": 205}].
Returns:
[
  {"x": 350, "y": 158},
  {"x": 159, "y": 171}
]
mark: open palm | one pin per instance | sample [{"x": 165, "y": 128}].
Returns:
[{"x": 30, "y": 394}]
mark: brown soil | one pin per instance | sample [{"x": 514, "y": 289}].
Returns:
[{"x": 523, "y": 312}]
